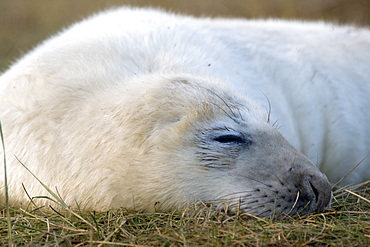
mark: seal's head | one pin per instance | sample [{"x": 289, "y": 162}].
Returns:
[{"x": 201, "y": 142}]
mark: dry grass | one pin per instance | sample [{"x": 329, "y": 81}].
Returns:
[{"x": 347, "y": 223}]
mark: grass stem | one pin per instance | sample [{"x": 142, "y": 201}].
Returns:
[{"x": 9, "y": 222}]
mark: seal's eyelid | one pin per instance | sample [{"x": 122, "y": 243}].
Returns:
[{"x": 229, "y": 139}]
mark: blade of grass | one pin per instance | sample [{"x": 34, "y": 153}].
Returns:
[
  {"x": 9, "y": 222},
  {"x": 26, "y": 227},
  {"x": 349, "y": 172},
  {"x": 361, "y": 197},
  {"x": 54, "y": 195}
]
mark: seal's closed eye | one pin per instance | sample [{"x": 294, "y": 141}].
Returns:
[{"x": 229, "y": 139}]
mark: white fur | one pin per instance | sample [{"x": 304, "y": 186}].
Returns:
[{"x": 56, "y": 102}]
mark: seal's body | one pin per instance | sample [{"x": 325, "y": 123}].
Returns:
[{"x": 142, "y": 109}]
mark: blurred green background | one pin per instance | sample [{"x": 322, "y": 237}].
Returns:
[{"x": 24, "y": 23}]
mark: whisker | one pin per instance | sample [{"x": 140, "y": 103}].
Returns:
[
  {"x": 227, "y": 105},
  {"x": 253, "y": 179},
  {"x": 295, "y": 203},
  {"x": 233, "y": 118},
  {"x": 269, "y": 109},
  {"x": 275, "y": 124}
]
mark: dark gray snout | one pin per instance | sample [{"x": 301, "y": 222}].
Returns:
[
  {"x": 313, "y": 189},
  {"x": 317, "y": 190}
]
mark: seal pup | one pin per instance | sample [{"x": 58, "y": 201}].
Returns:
[{"x": 170, "y": 110}]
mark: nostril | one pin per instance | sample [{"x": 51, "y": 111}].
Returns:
[
  {"x": 321, "y": 190},
  {"x": 313, "y": 187},
  {"x": 315, "y": 191}
]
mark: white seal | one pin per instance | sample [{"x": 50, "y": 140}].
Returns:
[{"x": 147, "y": 110}]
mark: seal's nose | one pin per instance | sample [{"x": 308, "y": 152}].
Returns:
[
  {"x": 323, "y": 193},
  {"x": 317, "y": 190}
]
